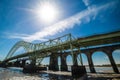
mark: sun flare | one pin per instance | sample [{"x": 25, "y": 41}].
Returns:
[{"x": 47, "y": 12}]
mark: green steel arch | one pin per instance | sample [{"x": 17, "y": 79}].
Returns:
[
  {"x": 31, "y": 47},
  {"x": 25, "y": 45}
]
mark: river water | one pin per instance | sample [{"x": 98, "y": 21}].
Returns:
[
  {"x": 99, "y": 69},
  {"x": 14, "y": 73}
]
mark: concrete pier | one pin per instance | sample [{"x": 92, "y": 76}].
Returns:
[
  {"x": 53, "y": 62},
  {"x": 63, "y": 63}
]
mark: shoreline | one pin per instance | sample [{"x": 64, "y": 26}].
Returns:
[{"x": 7, "y": 74}]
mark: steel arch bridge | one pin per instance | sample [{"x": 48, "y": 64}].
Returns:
[
  {"x": 31, "y": 47},
  {"x": 60, "y": 44},
  {"x": 55, "y": 47}
]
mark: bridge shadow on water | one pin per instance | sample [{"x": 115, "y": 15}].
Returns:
[
  {"x": 90, "y": 76},
  {"x": 54, "y": 76}
]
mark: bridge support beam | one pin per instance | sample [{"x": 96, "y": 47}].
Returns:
[
  {"x": 23, "y": 63},
  {"x": 33, "y": 62},
  {"x": 17, "y": 63},
  {"x": 114, "y": 66},
  {"x": 78, "y": 71},
  {"x": 90, "y": 62},
  {"x": 75, "y": 63},
  {"x": 53, "y": 62},
  {"x": 63, "y": 63},
  {"x": 3, "y": 64}
]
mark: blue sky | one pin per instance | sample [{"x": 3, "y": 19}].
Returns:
[{"x": 20, "y": 20}]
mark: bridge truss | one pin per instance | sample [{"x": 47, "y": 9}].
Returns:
[{"x": 44, "y": 49}]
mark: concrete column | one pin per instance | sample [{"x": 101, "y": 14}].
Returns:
[
  {"x": 23, "y": 63},
  {"x": 114, "y": 66},
  {"x": 3, "y": 64},
  {"x": 77, "y": 71},
  {"x": 33, "y": 62},
  {"x": 75, "y": 63},
  {"x": 17, "y": 63},
  {"x": 63, "y": 63},
  {"x": 53, "y": 62},
  {"x": 90, "y": 62}
]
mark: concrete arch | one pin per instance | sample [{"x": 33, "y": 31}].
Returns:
[
  {"x": 85, "y": 61},
  {"x": 45, "y": 61},
  {"x": 59, "y": 62},
  {"x": 69, "y": 61},
  {"x": 116, "y": 57},
  {"x": 101, "y": 62}
]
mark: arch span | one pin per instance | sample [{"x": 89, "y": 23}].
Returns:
[
  {"x": 85, "y": 61},
  {"x": 25, "y": 45},
  {"x": 69, "y": 62},
  {"x": 101, "y": 62},
  {"x": 59, "y": 63},
  {"x": 116, "y": 56}
]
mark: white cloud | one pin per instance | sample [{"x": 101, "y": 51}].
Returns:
[
  {"x": 86, "y": 2},
  {"x": 62, "y": 25}
]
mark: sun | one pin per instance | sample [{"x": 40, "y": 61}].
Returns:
[{"x": 47, "y": 12}]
